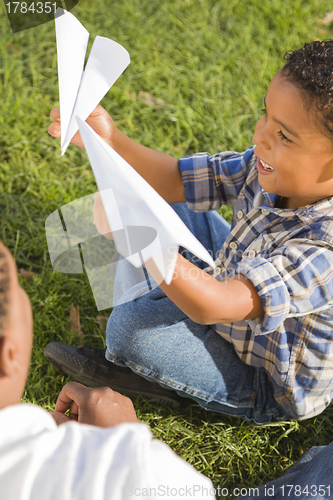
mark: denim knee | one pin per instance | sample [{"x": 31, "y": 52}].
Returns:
[
  {"x": 120, "y": 326},
  {"x": 128, "y": 322}
]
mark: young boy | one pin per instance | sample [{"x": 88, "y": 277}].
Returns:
[
  {"x": 87, "y": 459},
  {"x": 252, "y": 338}
]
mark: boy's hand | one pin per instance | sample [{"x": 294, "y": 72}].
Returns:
[
  {"x": 160, "y": 170},
  {"x": 99, "y": 120},
  {"x": 102, "y": 407}
]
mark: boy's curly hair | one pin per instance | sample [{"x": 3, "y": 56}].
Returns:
[{"x": 310, "y": 68}]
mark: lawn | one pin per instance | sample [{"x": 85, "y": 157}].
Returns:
[{"x": 199, "y": 72}]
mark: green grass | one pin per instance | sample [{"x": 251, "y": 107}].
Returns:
[{"x": 210, "y": 63}]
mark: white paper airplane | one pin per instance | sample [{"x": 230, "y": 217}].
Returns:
[
  {"x": 80, "y": 90},
  {"x": 130, "y": 201}
]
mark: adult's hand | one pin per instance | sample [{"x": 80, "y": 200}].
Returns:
[
  {"x": 99, "y": 120},
  {"x": 100, "y": 406}
]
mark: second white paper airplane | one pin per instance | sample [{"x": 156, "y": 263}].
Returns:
[{"x": 135, "y": 203}]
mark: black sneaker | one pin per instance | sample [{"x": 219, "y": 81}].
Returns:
[{"x": 89, "y": 366}]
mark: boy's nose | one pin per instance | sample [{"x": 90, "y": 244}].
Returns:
[{"x": 260, "y": 137}]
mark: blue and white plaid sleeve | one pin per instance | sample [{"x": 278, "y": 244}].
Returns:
[
  {"x": 212, "y": 181},
  {"x": 296, "y": 279}
]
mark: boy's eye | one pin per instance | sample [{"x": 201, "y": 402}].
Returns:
[{"x": 284, "y": 137}]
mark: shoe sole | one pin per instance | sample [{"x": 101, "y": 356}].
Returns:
[{"x": 87, "y": 372}]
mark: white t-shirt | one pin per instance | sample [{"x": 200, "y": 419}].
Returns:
[{"x": 41, "y": 461}]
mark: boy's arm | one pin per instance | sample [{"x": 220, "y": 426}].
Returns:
[
  {"x": 206, "y": 300},
  {"x": 159, "y": 169}
]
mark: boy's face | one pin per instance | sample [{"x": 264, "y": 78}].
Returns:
[{"x": 295, "y": 159}]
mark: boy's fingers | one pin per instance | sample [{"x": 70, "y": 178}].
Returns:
[
  {"x": 97, "y": 111},
  {"x": 73, "y": 392},
  {"x": 55, "y": 113},
  {"x": 54, "y": 130}
]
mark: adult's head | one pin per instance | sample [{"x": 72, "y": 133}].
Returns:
[{"x": 15, "y": 332}]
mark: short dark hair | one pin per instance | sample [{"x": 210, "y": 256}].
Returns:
[
  {"x": 310, "y": 68},
  {"x": 4, "y": 292}
]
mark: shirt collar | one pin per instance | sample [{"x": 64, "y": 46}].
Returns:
[{"x": 265, "y": 199}]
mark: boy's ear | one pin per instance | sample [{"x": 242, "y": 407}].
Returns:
[{"x": 7, "y": 356}]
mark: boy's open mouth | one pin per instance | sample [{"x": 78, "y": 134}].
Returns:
[{"x": 266, "y": 166}]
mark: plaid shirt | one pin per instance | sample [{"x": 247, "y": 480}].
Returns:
[{"x": 288, "y": 256}]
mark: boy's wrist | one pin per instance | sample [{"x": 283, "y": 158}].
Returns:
[{"x": 114, "y": 138}]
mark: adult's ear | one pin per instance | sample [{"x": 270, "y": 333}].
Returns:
[{"x": 8, "y": 361}]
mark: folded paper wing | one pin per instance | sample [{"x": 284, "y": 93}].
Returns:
[
  {"x": 130, "y": 201},
  {"x": 81, "y": 90}
]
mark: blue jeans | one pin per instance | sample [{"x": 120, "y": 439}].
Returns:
[
  {"x": 152, "y": 336},
  {"x": 310, "y": 477}
]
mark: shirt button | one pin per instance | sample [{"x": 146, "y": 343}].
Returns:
[
  {"x": 252, "y": 254},
  {"x": 265, "y": 212},
  {"x": 217, "y": 271},
  {"x": 233, "y": 245},
  {"x": 240, "y": 214}
]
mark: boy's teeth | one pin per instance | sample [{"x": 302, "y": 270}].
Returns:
[{"x": 266, "y": 166}]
